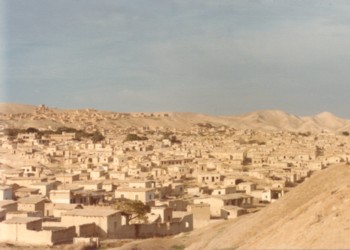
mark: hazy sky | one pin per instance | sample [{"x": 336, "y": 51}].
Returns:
[{"x": 208, "y": 56}]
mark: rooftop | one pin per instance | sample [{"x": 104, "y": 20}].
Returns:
[
  {"x": 21, "y": 220},
  {"x": 91, "y": 212},
  {"x": 125, "y": 189},
  {"x": 7, "y": 202},
  {"x": 5, "y": 187},
  {"x": 31, "y": 200}
]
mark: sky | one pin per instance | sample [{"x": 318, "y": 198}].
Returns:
[{"x": 218, "y": 57}]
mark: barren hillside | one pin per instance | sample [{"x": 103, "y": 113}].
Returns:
[
  {"x": 262, "y": 120},
  {"x": 15, "y": 108}
]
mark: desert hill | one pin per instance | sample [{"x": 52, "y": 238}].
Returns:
[
  {"x": 314, "y": 215},
  {"x": 15, "y": 108},
  {"x": 262, "y": 119}
]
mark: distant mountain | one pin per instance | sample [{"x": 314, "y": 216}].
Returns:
[{"x": 262, "y": 119}]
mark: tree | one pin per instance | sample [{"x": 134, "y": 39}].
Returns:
[
  {"x": 135, "y": 208},
  {"x": 97, "y": 137},
  {"x": 319, "y": 151},
  {"x": 345, "y": 133},
  {"x": 135, "y": 137},
  {"x": 32, "y": 130}
]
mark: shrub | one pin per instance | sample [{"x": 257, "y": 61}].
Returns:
[{"x": 135, "y": 137}]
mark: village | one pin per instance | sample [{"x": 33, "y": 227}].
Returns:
[{"x": 72, "y": 184}]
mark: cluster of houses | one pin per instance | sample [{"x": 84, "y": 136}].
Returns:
[{"x": 63, "y": 189}]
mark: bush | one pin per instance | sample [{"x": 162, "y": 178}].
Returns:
[
  {"x": 135, "y": 137},
  {"x": 97, "y": 136},
  {"x": 32, "y": 130}
]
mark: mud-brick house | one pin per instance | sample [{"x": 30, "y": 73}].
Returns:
[
  {"x": 223, "y": 190},
  {"x": 141, "y": 184},
  {"x": 67, "y": 178},
  {"x": 165, "y": 213},
  {"x": 175, "y": 161},
  {"x": 117, "y": 175},
  {"x": 158, "y": 172},
  {"x": 32, "y": 171},
  {"x": 179, "y": 223},
  {"x": 232, "y": 212},
  {"x": 272, "y": 194},
  {"x": 26, "y": 192},
  {"x": 6, "y": 193},
  {"x": 107, "y": 221},
  {"x": 97, "y": 174},
  {"x": 134, "y": 171},
  {"x": 109, "y": 185},
  {"x": 247, "y": 187},
  {"x": 64, "y": 194},
  {"x": 315, "y": 165},
  {"x": 231, "y": 181},
  {"x": 7, "y": 206},
  {"x": 209, "y": 178},
  {"x": 90, "y": 184},
  {"x": 65, "y": 136},
  {"x": 29, "y": 231},
  {"x": 32, "y": 204},
  {"x": 10, "y": 173},
  {"x": 178, "y": 171},
  {"x": 45, "y": 187},
  {"x": 56, "y": 209},
  {"x": 89, "y": 197},
  {"x": 146, "y": 195},
  {"x": 25, "y": 181},
  {"x": 201, "y": 214},
  {"x": 27, "y": 136},
  {"x": 219, "y": 201}
]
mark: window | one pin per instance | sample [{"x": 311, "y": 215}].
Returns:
[{"x": 136, "y": 197}]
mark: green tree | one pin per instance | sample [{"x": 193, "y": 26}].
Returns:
[
  {"x": 97, "y": 136},
  {"x": 135, "y": 208},
  {"x": 135, "y": 137},
  {"x": 32, "y": 130}
]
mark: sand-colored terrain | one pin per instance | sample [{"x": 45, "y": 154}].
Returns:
[
  {"x": 15, "y": 108},
  {"x": 262, "y": 120}
]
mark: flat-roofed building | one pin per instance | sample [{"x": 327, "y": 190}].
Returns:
[
  {"x": 107, "y": 220},
  {"x": 32, "y": 204},
  {"x": 145, "y": 195},
  {"x": 6, "y": 193}
]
